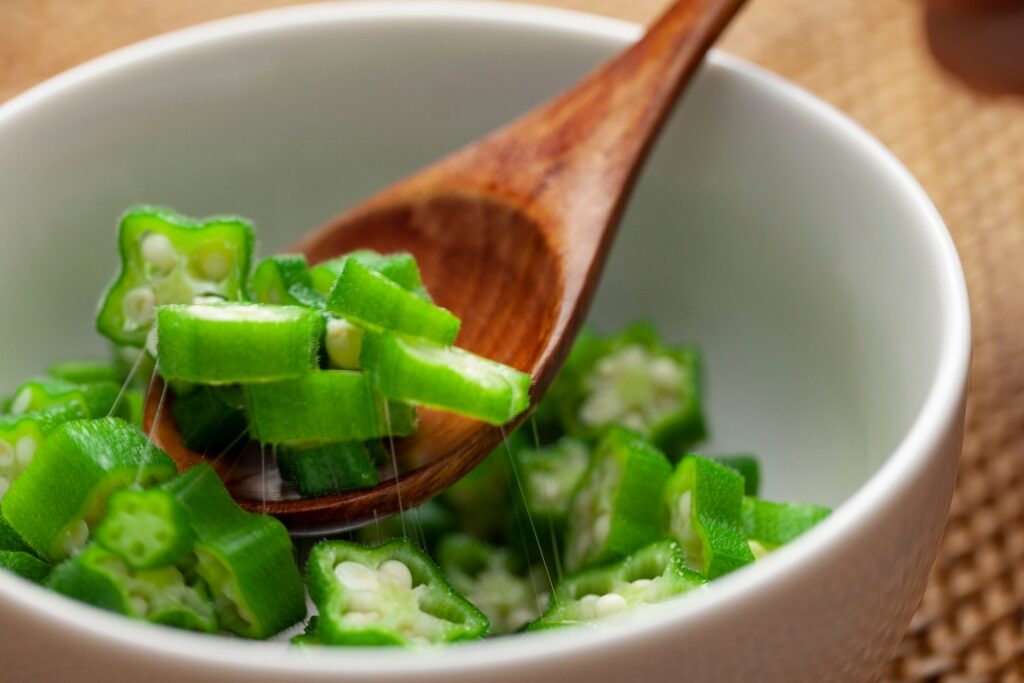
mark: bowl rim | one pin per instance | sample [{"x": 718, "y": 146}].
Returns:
[{"x": 941, "y": 407}]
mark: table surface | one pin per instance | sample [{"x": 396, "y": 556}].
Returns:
[{"x": 869, "y": 58}]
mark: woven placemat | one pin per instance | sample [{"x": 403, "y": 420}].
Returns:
[{"x": 867, "y": 57}]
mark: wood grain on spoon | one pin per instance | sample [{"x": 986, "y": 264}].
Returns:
[{"x": 511, "y": 234}]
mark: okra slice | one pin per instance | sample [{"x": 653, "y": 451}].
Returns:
[
  {"x": 310, "y": 635},
  {"x": 25, "y": 565},
  {"x": 247, "y": 560},
  {"x": 616, "y": 508},
  {"x": 389, "y": 595},
  {"x": 399, "y": 267},
  {"x": 769, "y": 525},
  {"x": 749, "y": 469},
  {"x": 59, "y": 499},
  {"x": 443, "y": 377},
  {"x": 489, "y": 578},
  {"x": 550, "y": 476},
  {"x": 167, "y": 258},
  {"x": 284, "y": 279},
  {"x": 651, "y": 575},
  {"x": 327, "y": 468},
  {"x": 146, "y": 528},
  {"x": 231, "y": 343},
  {"x": 424, "y": 525},
  {"x": 370, "y": 300},
  {"x": 86, "y": 372},
  {"x": 703, "y": 511},
  {"x": 10, "y": 540},
  {"x": 96, "y": 398},
  {"x": 164, "y": 596},
  {"x": 206, "y": 421},
  {"x": 21, "y": 435},
  {"x": 326, "y": 406}
]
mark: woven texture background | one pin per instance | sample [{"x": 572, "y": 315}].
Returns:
[{"x": 867, "y": 57}]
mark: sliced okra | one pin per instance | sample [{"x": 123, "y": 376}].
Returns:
[
  {"x": 491, "y": 579},
  {"x": 96, "y": 398},
  {"x": 164, "y": 596},
  {"x": 616, "y": 508},
  {"x": 550, "y": 476},
  {"x": 327, "y": 468},
  {"x": 59, "y": 499},
  {"x": 651, "y": 575},
  {"x": 703, "y": 511},
  {"x": 230, "y": 343},
  {"x": 446, "y": 378},
  {"x": 392, "y": 594},
  {"x": 25, "y": 565},
  {"x": 10, "y": 540},
  {"x": 370, "y": 300},
  {"x": 86, "y": 372},
  {"x": 284, "y": 280},
  {"x": 749, "y": 469},
  {"x": 206, "y": 421},
  {"x": 399, "y": 267},
  {"x": 21, "y": 435},
  {"x": 146, "y": 528},
  {"x": 769, "y": 525},
  {"x": 326, "y": 406},
  {"x": 247, "y": 560}
]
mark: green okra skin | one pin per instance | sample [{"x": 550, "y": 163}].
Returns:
[
  {"x": 278, "y": 279},
  {"x": 771, "y": 525},
  {"x": 632, "y": 379},
  {"x": 651, "y": 575},
  {"x": 167, "y": 258},
  {"x": 550, "y": 475},
  {"x": 417, "y": 371},
  {"x": 247, "y": 560},
  {"x": 325, "y": 406},
  {"x": 21, "y": 436},
  {"x": 10, "y": 540},
  {"x": 59, "y": 499},
  {"x": 327, "y": 468},
  {"x": 134, "y": 407},
  {"x": 206, "y": 421},
  {"x": 490, "y": 578},
  {"x": 25, "y": 565},
  {"x": 232, "y": 343},
  {"x": 96, "y": 398},
  {"x": 702, "y": 510},
  {"x": 164, "y": 595},
  {"x": 399, "y": 267},
  {"x": 617, "y": 507},
  {"x": 146, "y": 528},
  {"x": 748, "y": 467},
  {"x": 310, "y": 635},
  {"x": 424, "y": 525},
  {"x": 86, "y": 371},
  {"x": 370, "y": 300},
  {"x": 392, "y": 594}
]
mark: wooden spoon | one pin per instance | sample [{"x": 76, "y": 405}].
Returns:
[{"x": 511, "y": 234}]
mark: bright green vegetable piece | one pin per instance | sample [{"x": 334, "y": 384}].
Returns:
[
  {"x": 236, "y": 343},
  {"x": 10, "y": 540},
  {"x": 96, "y": 398},
  {"x": 247, "y": 560},
  {"x": 327, "y": 406},
  {"x": 703, "y": 511},
  {"x": 284, "y": 279},
  {"x": 424, "y": 525},
  {"x": 749, "y": 469},
  {"x": 146, "y": 528},
  {"x": 327, "y": 468},
  {"x": 167, "y": 258},
  {"x": 631, "y": 379},
  {"x": 651, "y": 575},
  {"x": 417, "y": 371},
  {"x": 481, "y": 500},
  {"x": 86, "y": 372},
  {"x": 616, "y": 508},
  {"x": 59, "y": 499},
  {"x": 370, "y": 300},
  {"x": 206, "y": 422},
  {"x": 389, "y": 595},
  {"x": 163, "y": 596},
  {"x": 770, "y": 525},
  {"x": 310, "y": 635},
  {"x": 490, "y": 578},
  {"x": 399, "y": 267},
  {"x": 25, "y": 565},
  {"x": 550, "y": 475},
  {"x": 21, "y": 435}
]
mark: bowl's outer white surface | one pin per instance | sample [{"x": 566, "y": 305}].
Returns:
[{"x": 810, "y": 267}]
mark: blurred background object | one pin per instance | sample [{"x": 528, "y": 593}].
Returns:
[{"x": 874, "y": 60}]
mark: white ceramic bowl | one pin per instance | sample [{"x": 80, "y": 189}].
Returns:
[{"x": 809, "y": 265}]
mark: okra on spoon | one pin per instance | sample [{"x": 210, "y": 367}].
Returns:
[{"x": 511, "y": 233}]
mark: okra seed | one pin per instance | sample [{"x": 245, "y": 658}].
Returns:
[
  {"x": 139, "y": 605},
  {"x": 641, "y": 583},
  {"x": 21, "y": 402},
  {"x": 666, "y": 373},
  {"x": 363, "y": 600},
  {"x": 396, "y": 572},
  {"x": 138, "y": 306},
  {"x": 6, "y": 454},
  {"x": 76, "y": 537},
  {"x": 587, "y": 606},
  {"x": 356, "y": 576},
  {"x": 215, "y": 264},
  {"x": 158, "y": 251},
  {"x": 362, "y": 618},
  {"x": 610, "y": 605},
  {"x": 653, "y": 592},
  {"x": 343, "y": 342},
  {"x": 25, "y": 450}
]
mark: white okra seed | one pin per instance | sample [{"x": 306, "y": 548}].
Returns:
[
  {"x": 6, "y": 454},
  {"x": 21, "y": 402},
  {"x": 215, "y": 264},
  {"x": 587, "y": 603},
  {"x": 343, "y": 342},
  {"x": 365, "y": 600},
  {"x": 362, "y": 618},
  {"x": 76, "y": 537},
  {"x": 139, "y": 605},
  {"x": 610, "y": 605},
  {"x": 641, "y": 583},
  {"x": 138, "y": 306},
  {"x": 158, "y": 251},
  {"x": 356, "y": 576},
  {"x": 396, "y": 572},
  {"x": 25, "y": 450}
]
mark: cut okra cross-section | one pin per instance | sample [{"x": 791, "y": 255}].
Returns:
[
  {"x": 389, "y": 595},
  {"x": 399, "y": 267},
  {"x": 167, "y": 258},
  {"x": 95, "y": 398},
  {"x": 284, "y": 279},
  {"x": 232, "y": 343},
  {"x": 146, "y": 528},
  {"x": 21, "y": 435},
  {"x": 768, "y": 525},
  {"x": 443, "y": 377}
]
